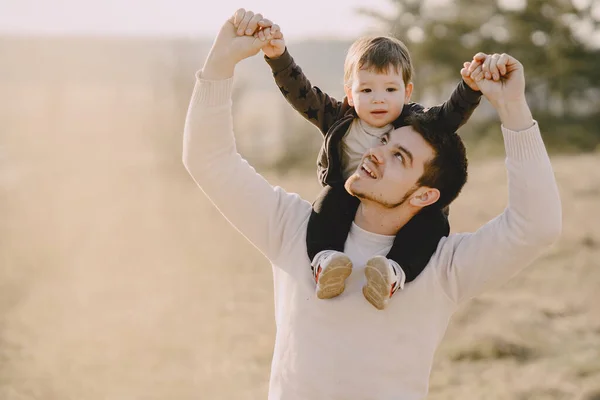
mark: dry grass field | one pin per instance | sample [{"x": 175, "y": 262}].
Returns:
[{"x": 119, "y": 280}]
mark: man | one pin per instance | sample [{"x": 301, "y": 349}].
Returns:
[{"x": 344, "y": 348}]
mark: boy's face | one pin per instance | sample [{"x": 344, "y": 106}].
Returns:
[{"x": 378, "y": 98}]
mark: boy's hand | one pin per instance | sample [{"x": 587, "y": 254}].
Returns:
[
  {"x": 467, "y": 77},
  {"x": 276, "y": 46},
  {"x": 479, "y": 59}
]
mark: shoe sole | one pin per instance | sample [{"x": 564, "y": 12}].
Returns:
[
  {"x": 332, "y": 280},
  {"x": 377, "y": 289}
]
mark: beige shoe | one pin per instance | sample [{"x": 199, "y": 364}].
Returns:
[
  {"x": 384, "y": 278},
  {"x": 330, "y": 272}
]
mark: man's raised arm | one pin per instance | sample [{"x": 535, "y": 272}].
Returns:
[
  {"x": 532, "y": 220},
  {"x": 267, "y": 216}
]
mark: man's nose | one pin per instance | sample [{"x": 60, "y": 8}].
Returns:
[{"x": 377, "y": 155}]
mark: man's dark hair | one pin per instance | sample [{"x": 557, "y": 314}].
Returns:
[{"x": 447, "y": 170}]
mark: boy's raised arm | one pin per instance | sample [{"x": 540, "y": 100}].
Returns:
[
  {"x": 457, "y": 110},
  {"x": 317, "y": 107}
]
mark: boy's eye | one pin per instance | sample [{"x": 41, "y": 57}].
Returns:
[
  {"x": 366, "y": 90},
  {"x": 383, "y": 140},
  {"x": 398, "y": 156},
  {"x": 391, "y": 89}
]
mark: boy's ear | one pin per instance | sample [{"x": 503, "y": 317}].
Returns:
[
  {"x": 348, "y": 92},
  {"x": 408, "y": 92},
  {"x": 424, "y": 197}
]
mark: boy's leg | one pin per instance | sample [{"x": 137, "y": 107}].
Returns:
[
  {"x": 328, "y": 227},
  {"x": 330, "y": 220},
  {"x": 416, "y": 242},
  {"x": 413, "y": 246}
]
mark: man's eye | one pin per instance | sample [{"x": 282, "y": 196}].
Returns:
[
  {"x": 383, "y": 140},
  {"x": 399, "y": 156}
]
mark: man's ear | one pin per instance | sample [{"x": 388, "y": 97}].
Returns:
[
  {"x": 348, "y": 92},
  {"x": 424, "y": 197},
  {"x": 408, "y": 92}
]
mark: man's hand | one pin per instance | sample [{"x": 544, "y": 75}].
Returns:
[
  {"x": 507, "y": 94},
  {"x": 270, "y": 35},
  {"x": 491, "y": 70},
  {"x": 229, "y": 48},
  {"x": 511, "y": 87}
]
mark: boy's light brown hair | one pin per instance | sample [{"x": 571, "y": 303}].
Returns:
[{"x": 377, "y": 54}]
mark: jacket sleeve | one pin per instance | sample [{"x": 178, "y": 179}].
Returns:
[
  {"x": 317, "y": 107},
  {"x": 453, "y": 113}
]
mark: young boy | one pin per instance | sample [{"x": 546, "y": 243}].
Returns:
[{"x": 378, "y": 84}]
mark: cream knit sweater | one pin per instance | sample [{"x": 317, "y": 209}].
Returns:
[{"x": 343, "y": 348}]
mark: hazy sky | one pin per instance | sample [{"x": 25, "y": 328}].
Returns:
[{"x": 182, "y": 17}]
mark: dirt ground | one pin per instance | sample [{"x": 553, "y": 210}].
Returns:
[{"x": 111, "y": 272}]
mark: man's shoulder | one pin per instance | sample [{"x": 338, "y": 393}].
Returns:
[
  {"x": 446, "y": 248},
  {"x": 293, "y": 199},
  {"x": 440, "y": 266},
  {"x": 292, "y": 220},
  {"x": 293, "y": 204}
]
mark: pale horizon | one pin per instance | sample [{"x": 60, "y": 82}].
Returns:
[
  {"x": 316, "y": 19},
  {"x": 183, "y": 18}
]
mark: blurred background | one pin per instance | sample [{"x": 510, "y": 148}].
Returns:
[{"x": 119, "y": 280}]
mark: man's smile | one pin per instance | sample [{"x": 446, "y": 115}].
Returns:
[{"x": 369, "y": 169}]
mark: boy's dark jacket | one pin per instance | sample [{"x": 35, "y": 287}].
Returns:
[{"x": 333, "y": 118}]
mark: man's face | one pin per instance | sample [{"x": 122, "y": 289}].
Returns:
[
  {"x": 378, "y": 98},
  {"x": 388, "y": 173}
]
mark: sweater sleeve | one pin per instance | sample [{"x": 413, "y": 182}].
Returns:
[
  {"x": 267, "y": 216},
  {"x": 317, "y": 107},
  {"x": 530, "y": 223}
]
